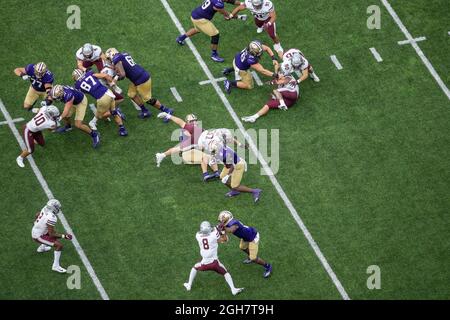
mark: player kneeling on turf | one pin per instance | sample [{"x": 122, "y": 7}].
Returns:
[
  {"x": 208, "y": 239},
  {"x": 43, "y": 232},
  {"x": 32, "y": 131},
  {"x": 284, "y": 97}
]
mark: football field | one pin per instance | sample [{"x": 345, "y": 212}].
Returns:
[{"x": 362, "y": 181}]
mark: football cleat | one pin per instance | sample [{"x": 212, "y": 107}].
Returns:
[
  {"x": 227, "y": 71},
  {"x": 215, "y": 57},
  {"x": 237, "y": 291},
  {"x": 19, "y": 161},
  {"x": 145, "y": 114},
  {"x": 232, "y": 193},
  {"x": 247, "y": 261},
  {"x": 59, "y": 269},
  {"x": 259, "y": 30},
  {"x": 95, "y": 139},
  {"x": 43, "y": 248},
  {"x": 227, "y": 85},
  {"x": 256, "y": 194},
  {"x": 314, "y": 77},
  {"x": 187, "y": 286},
  {"x": 159, "y": 158},
  {"x": 267, "y": 271},
  {"x": 179, "y": 41},
  {"x": 123, "y": 132},
  {"x": 64, "y": 129},
  {"x": 210, "y": 177}
]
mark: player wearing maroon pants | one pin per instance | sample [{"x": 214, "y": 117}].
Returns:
[
  {"x": 265, "y": 19},
  {"x": 284, "y": 97},
  {"x": 208, "y": 239},
  {"x": 46, "y": 118}
]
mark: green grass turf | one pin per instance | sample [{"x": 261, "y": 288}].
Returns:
[{"x": 364, "y": 159}]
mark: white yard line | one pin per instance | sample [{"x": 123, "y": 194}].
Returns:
[
  {"x": 336, "y": 62},
  {"x": 416, "y": 47},
  {"x": 257, "y": 78},
  {"x": 13, "y": 120},
  {"x": 261, "y": 159},
  {"x": 49, "y": 194},
  {"x": 376, "y": 55},
  {"x": 409, "y": 41},
  {"x": 176, "y": 94},
  {"x": 202, "y": 83}
]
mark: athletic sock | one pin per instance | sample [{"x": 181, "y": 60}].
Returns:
[
  {"x": 57, "y": 255},
  {"x": 163, "y": 108},
  {"x": 229, "y": 280},
  {"x": 214, "y": 52},
  {"x": 266, "y": 265},
  {"x": 233, "y": 83},
  {"x": 183, "y": 37},
  {"x": 143, "y": 108},
  {"x": 192, "y": 276}
]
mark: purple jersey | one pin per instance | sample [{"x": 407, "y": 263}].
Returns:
[
  {"x": 227, "y": 156},
  {"x": 248, "y": 234},
  {"x": 206, "y": 10},
  {"x": 133, "y": 71},
  {"x": 244, "y": 60},
  {"x": 38, "y": 84},
  {"x": 71, "y": 93},
  {"x": 89, "y": 83}
]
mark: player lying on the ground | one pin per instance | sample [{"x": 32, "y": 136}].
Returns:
[
  {"x": 244, "y": 61},
  {"x": 201, "y": 18},
  {"x": 283, "y": 97},
  {"x": 41, "y": 83},
  {"x": 140, "y": 88},
  {"x": 44, "y": 232},
  {"x": 298, "y": 63},
  {"x": 208, "y": 239},
  {"x": 89, "y": 82},
  {"x": 188, "y": 147},
  {"x": 74, "y": 101},
  {"x": 249, "y": 239},
  {"x": 265, "y": 19},
  {"x": 233, "y": 170},
  {"x": 46, "y": 118},
  {"x": 88, "y": 55}
]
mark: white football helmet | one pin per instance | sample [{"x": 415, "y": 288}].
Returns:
[
  {"x": 53, "y": 205},
  {"x": 297, "y": 59},
  {"x": 110, "y": 53},
  {"x": 255, "y": 48},
  {"x": 205, "y": 227},
  {"x": 77, "y": 74},
  {"x": 225, "y": 217},
  {"x": 52, "y": 112},
  {"x": 57, "y": 92},
  {"x": 257, "y": 4},
  {"x": 87, "y": 50},
  {"x": 191, "y": 118},
  {"x": 40, "y": 69}
]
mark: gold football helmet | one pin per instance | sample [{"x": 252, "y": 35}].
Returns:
[
  {"x": 225, "y": 217},
  {"x": 40, "y": 69}
]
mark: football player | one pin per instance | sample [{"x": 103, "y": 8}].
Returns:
[
  {"x": 244, "y": 61},
  {"x": 89, "y": 82},
  {"x": 208, "y": 239},
  {"x": 41, "y": 83},
  {"x": 44, "y": 232},
  {"x": 46, "y": 118},
  {"x": 188, "y": 147},
  {"x": 201, "y": 18},
  {"x": 109, "y": 70},
  {"x": 140, "y": 88},
  {"x": 283, "y": 97},
  {"x": 88, "y": 55},
  {"x": 74, "y": 100},
  {"x": 249, "y": 239},
  {"x": 233, "y": 169},
  {"x": 300, "y": 64},
  {"x": 265, "y": 19}
]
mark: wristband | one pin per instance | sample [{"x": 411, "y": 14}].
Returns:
[
  {"x": 274, "y": 57},
  {"x": 63, "y": 236}
]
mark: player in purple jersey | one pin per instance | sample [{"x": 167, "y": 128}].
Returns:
[
  {"x": 89, "y": 82},
  {"x": 201, "y": 18},
  {"x": 249, "y": 59},
  {"x": 73, "y": 100},
  {"x": 249, "y": 239},
  {"x": 140, "y": 88},
  {"x": 41, "y": 83}
]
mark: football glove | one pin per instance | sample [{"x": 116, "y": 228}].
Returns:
[
  {"x": 283, "y": 107},
  {"x": 25, "y": 77},
  {"x": 162, "y": 115},
  {"x": 67, "y": 236},
  {"x": 225, "y": 179}
]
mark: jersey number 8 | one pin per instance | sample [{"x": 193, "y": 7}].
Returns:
[
  {"x": 205, "y": 244},
  {"x": 206, "y": 4}
]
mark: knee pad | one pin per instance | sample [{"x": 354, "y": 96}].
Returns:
[
  {"x": 152, "y": 101},
  {"x": 215, "y": 39}
]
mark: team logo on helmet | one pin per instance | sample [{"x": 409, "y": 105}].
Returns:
[
  {"x": 110, "y": 53},
  {"x": 191, "y": 118},
  {"x": 40, "y": 69},
  {"x": 257, "y": 4},
  {"x": 57, "y": 92},
  {"x": 77, "y": 74},
  {"x": 205, "y": 227},
  {"x": 255, "y": 48},
  {"x": 87, "y": 50},
  {"x": 53, "y": 205},
  {"x": 225, "y": 217},
  {"x": 52, "y": 112}
]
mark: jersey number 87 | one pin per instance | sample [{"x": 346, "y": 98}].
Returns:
[{"x": 86, "y": 86}]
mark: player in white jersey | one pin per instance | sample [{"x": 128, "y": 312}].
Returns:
[
  {"x": 46, "y": 118},
  {"x": 43, "y": 232},
  {"x": 265, "y": 18},
  {"x": 208, "y": 239},
  {"x": 299, "y": 64},
  {"x": 88, "y": 55},
  {"x": 283, "y": 97},
  {"x": 221, "y": 135}
]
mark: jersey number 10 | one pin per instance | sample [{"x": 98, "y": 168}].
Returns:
[{"x": 39, "y": 119}]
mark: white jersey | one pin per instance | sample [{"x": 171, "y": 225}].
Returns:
[
  {"x": 222, "y": 135},
  {"x": 287, "y": 56},
  {"x": 45, "y": 218},
  {"x": 291, "y": 86},
  {"x": 208, "y": 246},
  {"x": 41, "y": 121},
  {"x": 262, "y": 14},
  {"x": 95, "y": 55}
]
